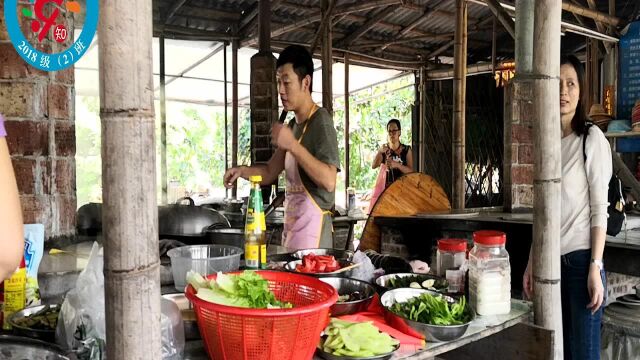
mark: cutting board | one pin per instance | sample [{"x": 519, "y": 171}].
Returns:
[{"x": 412, "y": 194}]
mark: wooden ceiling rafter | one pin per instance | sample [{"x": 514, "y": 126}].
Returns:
[
  {"x": 326, "y": 19},
  {"x": 368, "y": 25},
  {"x": 317, "y": 16},
  {"x": 501, "y": 14},
  {"x": 407, "y": 29}
]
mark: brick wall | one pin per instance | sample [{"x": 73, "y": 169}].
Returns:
[
  {"x": 518, "y": 146},
  {"x": 264, "y": 105},
  {"x": 39, "y": 110}
]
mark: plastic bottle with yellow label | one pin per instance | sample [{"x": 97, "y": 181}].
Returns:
[
  {"x": 255, "y": 248},
  {"x": 14, "y": 294}
]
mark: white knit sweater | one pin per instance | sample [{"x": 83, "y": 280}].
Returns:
[{"x": 584, "y": 188}]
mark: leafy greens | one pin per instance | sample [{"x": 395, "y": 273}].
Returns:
[
  {"x": 434, "y": 310},
  {"x": 248, "y": 289}
]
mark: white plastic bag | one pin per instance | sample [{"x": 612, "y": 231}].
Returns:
[{"x": 81, "y": 323}]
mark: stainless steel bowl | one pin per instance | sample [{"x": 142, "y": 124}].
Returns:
[
  {"x": 329, "y": 356},
  {"x": 337, "y": 253},
  {"x": 430, "y": 332},
  {"x": 291, "y": 266},
  {"x": 18, "y": 348},
  {"x": 45, "y": 335},
  {"x": 383, "y": 284},
  {"x": 346, "y": 286}
]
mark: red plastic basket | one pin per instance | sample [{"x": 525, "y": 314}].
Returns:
[{"x": 231, "y": 333}]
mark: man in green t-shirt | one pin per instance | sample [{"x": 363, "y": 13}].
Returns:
[{"x": 307, "y": 151}]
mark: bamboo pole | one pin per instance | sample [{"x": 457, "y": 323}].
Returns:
[
  {"x": 547, "y": 170},
  {"x": 459, "y": 93},
  {"x": 347, "y": 149},
  {"x": 226, "y": 117},
  {"x": 327, "y": 62},
  {"x": 326, "y": 20},
  {"x": 163, "y": 124},
  {"x": 130, "y": 215},
  {"x": 422, "y": 120},
  {"x": 593, "y": 14},
  {"x": 234, "y": 110}
]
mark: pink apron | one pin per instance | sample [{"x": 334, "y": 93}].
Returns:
[{"x": 303, "y": 218}]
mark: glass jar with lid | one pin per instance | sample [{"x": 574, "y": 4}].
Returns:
[
  {"x": 451, "y": 255},
  {"x": 489, "y": 274}
]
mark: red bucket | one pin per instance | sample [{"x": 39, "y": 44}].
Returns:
[{"x": 231, "y": 333}]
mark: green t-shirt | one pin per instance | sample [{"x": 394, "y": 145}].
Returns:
[{"x": 321, "y": 140}]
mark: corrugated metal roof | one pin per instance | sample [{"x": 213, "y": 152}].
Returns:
[{"x": 223, "y": 18}]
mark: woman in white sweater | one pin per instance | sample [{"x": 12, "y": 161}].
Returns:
[{"x": 585, "y": 181}]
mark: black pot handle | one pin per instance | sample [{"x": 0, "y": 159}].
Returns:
[{"x": 191, "y": 202}]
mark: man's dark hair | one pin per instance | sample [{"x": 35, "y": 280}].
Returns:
[
  {"x": 580, "y": 117},
  {"x": 300, "y": 59},
  {"x": 394, "y": 121}
]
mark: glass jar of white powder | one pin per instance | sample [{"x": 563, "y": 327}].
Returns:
[{"x": 489, "y": 274}]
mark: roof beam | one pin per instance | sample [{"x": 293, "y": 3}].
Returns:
[
  {"x": 195, "y": 64},
  {"x": 368, "y": 25},
  {"x": 592, "y": 6},
  {"x": 317, "y": 16},
  {"x": 593, "y": 14},
  {"x": 407, "y": 29},
  {"x": 501, "y": 14},
  {"x": 385, "y": 44},
  {"x": 250, "y": 20},
  {"x": 173, "y": 9},
  {"x": 326, "y": 19}
]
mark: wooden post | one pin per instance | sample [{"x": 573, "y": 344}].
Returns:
[
  {"x": 327, "y": 62},
  {"x": 226, "y": 122},
  {"x": 459, "y": 93},
  {"x": 130, "y": 212},
  {"x": 264, "y": 25},
  {"x": 422, "y": 119},
  {"x": 163, "y": 124},
  {"x": 347, "y": 149},
  {"x": 547, "y": 170},
  {"x": 234, "y": 110}
]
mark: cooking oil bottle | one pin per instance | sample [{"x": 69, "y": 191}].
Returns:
[{"x": 255, "y": 247}]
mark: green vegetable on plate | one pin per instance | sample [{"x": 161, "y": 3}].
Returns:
[
  {"x": 434, "y": 310},
  {"x": 356, "y": 339}
]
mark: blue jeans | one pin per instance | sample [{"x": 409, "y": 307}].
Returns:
[{"x": 581, "y": 329}]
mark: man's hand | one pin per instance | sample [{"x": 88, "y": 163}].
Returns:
[
  {"x": 231, "y": 176},
  {"x": 282, "y": 137}
]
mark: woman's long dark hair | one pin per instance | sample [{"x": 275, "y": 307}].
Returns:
[{"x": 580, "y": 117}]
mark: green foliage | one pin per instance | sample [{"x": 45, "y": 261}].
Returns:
[
  {"x": 195, "y": 140},
  {"x": 370, "y": 111}
]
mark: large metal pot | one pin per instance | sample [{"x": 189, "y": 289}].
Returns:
[
  {"x": 89, "y": 219},
  {"x": 182, "y": 222},
  {"x": 232, "y": 237}
]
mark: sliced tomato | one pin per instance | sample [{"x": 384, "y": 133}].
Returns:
[{"x": 320, "y": 267}]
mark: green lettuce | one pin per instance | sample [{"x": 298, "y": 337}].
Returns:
[{"x": 247, "y": 289}]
